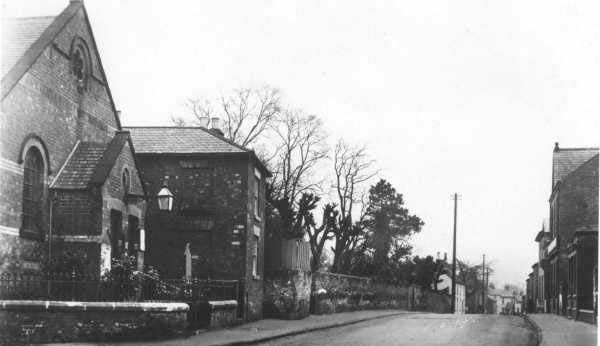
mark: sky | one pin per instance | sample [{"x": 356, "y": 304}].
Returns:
[{"x": 448, "y": 96}]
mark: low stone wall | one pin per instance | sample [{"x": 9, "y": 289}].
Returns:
[
  {"x": 338, "y": 293},
  {"x": 59, "y": 321},
  {"x": 287, "y": 294},
  {"x": 223, "y": 313}
]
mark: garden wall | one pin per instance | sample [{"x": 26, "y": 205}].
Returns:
[
  {"x": 23, "y": 321},
  {"x": 287, "y": 294},
  {"x": 338, "y": 293}
]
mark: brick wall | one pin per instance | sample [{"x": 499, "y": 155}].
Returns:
[
  {"x": 46, "y": 103},
  {"x": 212, "y": 211},
  {"x": 255, "y": 235}
]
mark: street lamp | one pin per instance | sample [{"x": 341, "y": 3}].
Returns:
[{"x": 165, "y": 199}]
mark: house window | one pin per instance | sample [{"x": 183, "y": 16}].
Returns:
[
  {"x": 257, "y": 197},
  {"x": 255, "y": 272},
  {"x": 33, "y": 191}
]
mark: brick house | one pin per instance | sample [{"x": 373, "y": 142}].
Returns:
[
  {"x": 218, "y": 190},
  {"x": 68, "y": 177},
  {"x": 570, "y": 263},
  {"x": 540, "y": 303}
]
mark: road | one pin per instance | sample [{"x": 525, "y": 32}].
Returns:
[{"x": 423, "y": 330}]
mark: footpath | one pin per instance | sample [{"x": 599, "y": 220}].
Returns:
[
  {"x": 265, "y": 330},
  {"x": 560, "y": 331}
]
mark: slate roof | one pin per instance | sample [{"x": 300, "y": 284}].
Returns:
[
  {"x": 180, "y": 140},
  {"x": 25, "y": 40},
  {"x": 78, "y": 171},
  {"x": 566, "y": 160},
  {"x": 18, "y": 34},
  {"x": 90, "y": 164}
]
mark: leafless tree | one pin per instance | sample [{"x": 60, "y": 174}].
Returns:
[
  {"x": 246, "y": 113},
  {"x": 300, "y": 147},
  {"x": 352, "y": 168},
  {"x": 318, "y": 235}
]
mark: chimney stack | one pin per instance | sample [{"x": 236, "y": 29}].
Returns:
[
  {"x": 204, "y": 121},
  {"x": 215, "y": 126},
  {"x": 556, "y": 148}
]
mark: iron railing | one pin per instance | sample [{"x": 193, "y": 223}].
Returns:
[{"x": 140, "y": 287}]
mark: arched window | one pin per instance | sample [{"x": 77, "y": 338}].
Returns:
[
  {"x": 80, "y": 63},
  {"x": 33, "y": 191},
  {"x": 126, "y": 179}
]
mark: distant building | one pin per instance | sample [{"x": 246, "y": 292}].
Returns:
[
  {"x": 507, "y": 302},
  {"x": 571, "y": 262},
  {"x": 460, "y": 300},
  {"x": 541, "y": 304},
  {"x": 218, "y": 214}
]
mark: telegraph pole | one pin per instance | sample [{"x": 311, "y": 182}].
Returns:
[
  {"x": 454, "y": 259},
  {"x": 483, "y": 286}
]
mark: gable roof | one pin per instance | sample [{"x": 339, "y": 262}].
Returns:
[
  {"x": 566, "y": 160},
  {"x": 28, "y": 38},
  {"x": 25, "y": 39},
  {"x": 18, "y": 34},
  {"x": 90, "y": 164},
  {"x": 79, "y": 169},
  {"x": 181, "y": 140}
]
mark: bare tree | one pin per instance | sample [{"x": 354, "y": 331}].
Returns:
[
  {"x": 247, "y": 113},
  {"x": 317, "y": 236},
  {"x": 352, "y": 167},
  {"x": 301, "y": 146}
]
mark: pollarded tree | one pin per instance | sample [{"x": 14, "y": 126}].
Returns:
[{"x": 352, "y": 168}]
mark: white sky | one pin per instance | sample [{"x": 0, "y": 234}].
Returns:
[{"x": 465, "y": 96}]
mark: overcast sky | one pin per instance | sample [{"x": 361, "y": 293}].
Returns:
[{"x": 449, "y": 96}]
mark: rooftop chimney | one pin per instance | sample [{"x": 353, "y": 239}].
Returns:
[
  {"x": 215, "y": 126},
  {"x": 204, "y": 121},
  {"x": 556, "y": 146}
]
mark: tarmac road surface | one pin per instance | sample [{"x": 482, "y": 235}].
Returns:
[{"x": 423, "y": 330}]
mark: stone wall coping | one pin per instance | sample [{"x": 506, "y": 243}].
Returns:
[
  {"x": 364, "y": 278},
  {"x": 53, "y": 305},
  {"x": 223, "y": 304}
]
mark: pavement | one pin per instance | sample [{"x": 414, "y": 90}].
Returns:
[
  {"x": 423, "y": 330},
  {"x": 559, "y": 331},
  {"x": 268, "y": 329}
]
